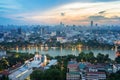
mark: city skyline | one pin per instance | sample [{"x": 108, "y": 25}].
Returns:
[{"x": 52, "y": 12}]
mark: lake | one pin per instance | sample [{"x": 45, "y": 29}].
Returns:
[{"x": 63, "y": 51}]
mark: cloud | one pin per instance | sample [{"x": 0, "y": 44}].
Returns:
[
  {"x": 6, "y": 20},
  {"x": 104, "y": 0},
  {"x": 97, "y": 18},
  {"x": 100, "y": 19},
  {"x": 101, "y": 12},
  {"x": 7, "y": 9},
  {"x": 20, "y": 17},
  {"x": 3, "y": 8},
  {"x": 105, "y": 20},
  {"x": 2, "y": 4},
  {"x": 62, "y": 14},
  {"x": 49, "y": 11}
]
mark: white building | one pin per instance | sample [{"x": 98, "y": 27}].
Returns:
[
  {"x": 25, "y": 70},
  {"x": 53, "y": 34},
  {"x": 21, "y": 74},
  {"x": 61, "y": 40},
  {"x": 52, "y": 62}
]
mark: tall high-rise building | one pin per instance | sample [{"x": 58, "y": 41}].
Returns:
[
  {"x": 1, "y": 35},
  {"x": 61, "y": 24},
  {"x": 96, "y": 25},
  {"x": 42, "y": 31},
  {"x": 91, "y": 23},
  {"x": 1, "y": 28},
  {"x": 19, "y": 31}
]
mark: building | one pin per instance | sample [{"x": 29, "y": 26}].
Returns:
[
  {"x": 85, "y": 71},
  {"x": 91, "y": 23},
  {"x": 21, "y": 74},
  {"x": 95, "y": 76},
  {"x": 1, "y": 35},
  {"x": 1, "y": 39},
  {"x": 61, "y": 39},
  {"x": 95, "y": 72},
  {"x": 72, "y": 71},
  {"x": 73, "y": 76},
  {"x": 116, "y": 67},
  {"x": 2, "y": 54},
  {"x": 26, "y": 69},
  {"x": 72, "y": 67},
  {"x": 53, "y": 34},
  {"x": 19, "y": 31},
  {"x": 52, "y": 62}
]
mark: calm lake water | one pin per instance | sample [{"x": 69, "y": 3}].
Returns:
[{"x": 62, "y": 51}]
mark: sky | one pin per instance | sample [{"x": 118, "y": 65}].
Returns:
[{"x": 52, "y": 12}]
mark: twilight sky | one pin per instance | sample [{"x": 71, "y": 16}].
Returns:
[{"x": 51, "y": 12}]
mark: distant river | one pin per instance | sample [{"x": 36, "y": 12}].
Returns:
[{"x": 63, "y": 51}]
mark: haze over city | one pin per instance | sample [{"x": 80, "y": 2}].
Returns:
[
  {"x": 52, "y": 12},
  {"x": 59, "y": 39}
]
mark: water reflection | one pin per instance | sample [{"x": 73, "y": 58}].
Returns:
[
  {"x": 17, "y": 49},
  {"x": 55, "y": 51}
]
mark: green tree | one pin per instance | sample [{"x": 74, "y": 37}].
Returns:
[
  {"x": 51, "y": 74},
  {"x": 114, "y": 76},
  {"x": 37, "y": 75},
  {"x": 100, "y": 58},
  {"x": 117, "y": 59},
  {"x": 91, "y": 57}
]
